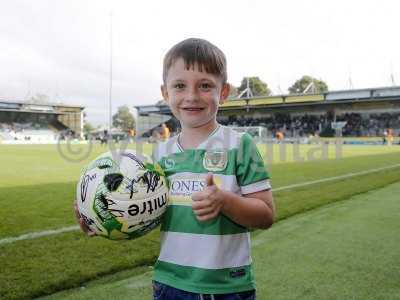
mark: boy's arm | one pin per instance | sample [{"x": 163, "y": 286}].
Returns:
[{"x": 255, "y": 210}]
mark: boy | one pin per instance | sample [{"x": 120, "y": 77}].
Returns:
[{"x": 218, "y": 185}]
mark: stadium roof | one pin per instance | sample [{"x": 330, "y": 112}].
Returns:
[
  {"x": 40, "y": 104},
  {"x": 330, "y": 98},
  {"x": 41, "y": 108}
]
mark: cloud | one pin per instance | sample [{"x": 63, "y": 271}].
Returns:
[{"x": 62, "y": 48}]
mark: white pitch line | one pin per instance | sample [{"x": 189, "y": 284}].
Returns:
[
  {"x": 33, "y": 235},
  {"x": 301, "y": 184}
]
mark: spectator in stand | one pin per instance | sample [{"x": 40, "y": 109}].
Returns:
[
  {"x": 384, "y": 139},
  {"x": 390, "y": 136},
  {"x": 104, "y": 138},
  {"x": 165, "y": 133},
  {"x": 131, "y": 134},
  {"x": 279, "y": 136}
]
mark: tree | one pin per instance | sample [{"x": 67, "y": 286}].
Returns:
[
  {"x": 123, "y": 118},
  {"x": 303, "y": 83},
  {"x": 233, "y": 92},
  {"x": 87, "y": 128},
  {"x": 257, "y": 86}
]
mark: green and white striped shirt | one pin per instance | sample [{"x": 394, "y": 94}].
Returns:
[{"x": 211, "y": 257}]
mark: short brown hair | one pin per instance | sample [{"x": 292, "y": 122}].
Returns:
[{"x": 197, "y": 51}]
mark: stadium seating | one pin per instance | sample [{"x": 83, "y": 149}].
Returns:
[
  {"x": 304, "y": 125},
  {"x": 27, "y": 132}
]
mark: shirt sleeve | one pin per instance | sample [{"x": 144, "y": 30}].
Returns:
[{"x": 251, "y": 173}]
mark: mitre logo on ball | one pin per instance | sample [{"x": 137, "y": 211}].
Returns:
[{"x": 122, "y": 196}]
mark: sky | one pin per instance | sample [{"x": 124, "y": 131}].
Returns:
[{"x": 62, "y": 48}]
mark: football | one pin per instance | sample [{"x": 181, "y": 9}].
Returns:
[{"x": 122, "y": 195}]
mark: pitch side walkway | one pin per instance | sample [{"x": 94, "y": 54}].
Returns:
[{"x": 345, "y": 250}]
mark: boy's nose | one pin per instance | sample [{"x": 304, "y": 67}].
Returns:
[{"x": 191, "y": 95}]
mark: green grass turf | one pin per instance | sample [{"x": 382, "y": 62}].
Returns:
[
  {"x": 363, "y": 139},
  {"x": 286, "y": 153},
  {"x": 23, "y": 165},
  {"x": 43, "y": 200},
  {"x": 345, "y": 250},
  {"x": 38, "y": 185}
]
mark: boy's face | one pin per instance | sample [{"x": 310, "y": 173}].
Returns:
[{"x": 193, "y": 96}]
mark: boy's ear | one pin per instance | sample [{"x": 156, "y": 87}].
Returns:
[
  {"x": 164, "y": 92},
  {"x": 224, "y": 93}
]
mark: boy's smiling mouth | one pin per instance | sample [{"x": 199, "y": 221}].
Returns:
[{"x": 192, "y": 108}]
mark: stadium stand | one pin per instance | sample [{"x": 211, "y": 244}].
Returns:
[
  {"x": 365, "y": 112},
  {"x": 22, "y": 122},
  {"x": 297, "y": 126},
  {"x": 357, "y": 125},
  {"x": 26, "y": 132}
]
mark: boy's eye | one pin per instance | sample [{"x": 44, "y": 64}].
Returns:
[
  {"x": 205, "y": 86},
  {"x": 179, "y": 86}
]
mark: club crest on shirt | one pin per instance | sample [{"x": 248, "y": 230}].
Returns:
[
  {"x": 169, "y": 163},
  {"x": 215, "y": 160}
]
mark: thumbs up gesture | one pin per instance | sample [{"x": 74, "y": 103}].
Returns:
[{"x": 207, "y": 203}]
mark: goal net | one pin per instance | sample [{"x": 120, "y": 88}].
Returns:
[{"x": 259, "y": 133}]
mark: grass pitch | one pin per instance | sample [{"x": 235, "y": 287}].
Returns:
[
  {"x": 346, "y": 250},
  {"x": 37, "y": 186}
]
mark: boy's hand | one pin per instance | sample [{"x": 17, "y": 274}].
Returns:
[
  {"x": 81, "y": 222},
  {"x": 207, "y": 203}
]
